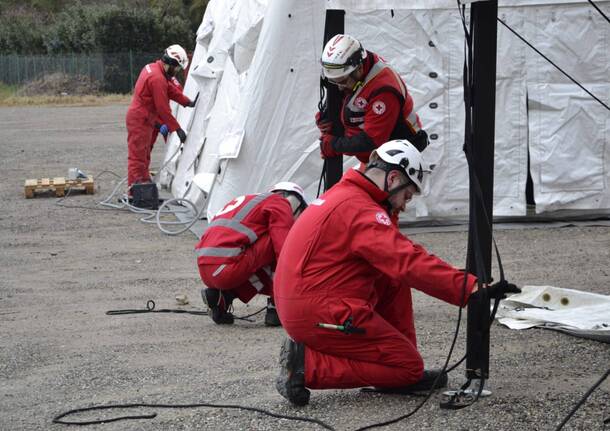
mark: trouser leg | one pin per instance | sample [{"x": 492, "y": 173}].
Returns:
[
  {"x": 138, "y": 151},
  {"x": 381, "y": 357},
  {"x": 249, "y": 275}
]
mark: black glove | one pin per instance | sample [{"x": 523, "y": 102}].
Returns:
[
  {"x": 193, "y": 102},
  {"x": 501, "y": 288},
  {"x": 181, "y": 135}
]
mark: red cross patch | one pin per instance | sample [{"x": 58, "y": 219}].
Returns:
[
  {"x": 360, "y": 102},
  {"x": 382, "y": 218},
  {"x": 379, "y": 107}
]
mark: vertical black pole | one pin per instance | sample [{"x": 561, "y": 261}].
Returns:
[
  {"x": 484, "y": 34},
  {"x": 335, "y": 24}
]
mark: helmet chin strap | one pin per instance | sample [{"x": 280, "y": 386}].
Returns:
[
  {"x": 296, "y": 203},
  {"x": 354, "y": 75},
  {"x": 396, "y": 189}
]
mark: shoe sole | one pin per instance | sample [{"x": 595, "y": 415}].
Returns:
[{"x": 287, "y": 353}]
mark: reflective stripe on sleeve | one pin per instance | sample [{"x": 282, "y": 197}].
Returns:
[
  {"x": 236, "y": 226},
  {"x": 242, "y": 213},
  {"x": 219, "y": 251}
]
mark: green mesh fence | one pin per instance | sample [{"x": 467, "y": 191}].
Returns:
[{"x": 116, "y": 72}]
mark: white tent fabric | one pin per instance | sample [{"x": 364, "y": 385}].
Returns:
[
  {"x": 579, "y": 313},
  {"x": 257, "y": 69}
]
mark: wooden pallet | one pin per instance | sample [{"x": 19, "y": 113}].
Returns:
[{"x": 57, "y": 186}]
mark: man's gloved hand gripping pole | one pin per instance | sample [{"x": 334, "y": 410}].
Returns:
[{"x": 499, "y": 290}]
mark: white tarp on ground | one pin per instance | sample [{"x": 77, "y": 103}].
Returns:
[
  {"x": 257, "y": 69},
  {"x": 578, "y": 313}
]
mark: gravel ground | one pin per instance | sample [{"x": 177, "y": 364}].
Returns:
[{"x": 63, "y": 268}]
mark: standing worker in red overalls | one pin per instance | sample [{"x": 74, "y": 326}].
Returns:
[
  {"x": 237, "y": 253},
  {"x": 150, "y": 108},
  {"x": 376, "y": 107}
]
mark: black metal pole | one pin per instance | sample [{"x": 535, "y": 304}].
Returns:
[
  {"x": 335, "y": 24},
  {"x": 484, "y": 34}
]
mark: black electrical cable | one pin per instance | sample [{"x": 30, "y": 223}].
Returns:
[
  {"x": 557, "y": 67},
  {"x": 322, "y": 108},
  {"x": 322, "y": 178},
  {"x": 59, "y": 418},
  {"x": 150, "y": 308},
  {"x": 599, "y": 10},
  {"x": 583, "y": 399},
  {"x": 246, "y": 317}
]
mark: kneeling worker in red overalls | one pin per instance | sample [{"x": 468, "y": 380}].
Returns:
[
  {"x": 238, "y": 252},
  {"x": 343, "y": 285}
]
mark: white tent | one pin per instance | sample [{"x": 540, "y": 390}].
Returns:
[{"x": 256, "y": 67}]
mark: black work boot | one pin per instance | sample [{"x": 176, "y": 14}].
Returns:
[
  {"x": 423, "y": 385},
  {"x": 218, "y": 304},
  {"x": 290, "y": 383},
  {"x": 271, "y": 317}
]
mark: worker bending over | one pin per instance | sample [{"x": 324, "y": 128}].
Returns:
[
  {"x": 238, "y": 252},
  {"x": 149, "y": 110}
]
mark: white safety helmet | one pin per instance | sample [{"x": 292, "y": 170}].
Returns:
[
  {"x": 293, "y": 189},
  {"x": 341, "y": 56},
  {"x": 402, "y": 155},
  {"x": 175, "y": 56}
]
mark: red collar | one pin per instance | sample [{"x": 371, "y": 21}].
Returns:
[
  {"x": 160, "y": 64},
  {"x": 358, "y": 179}
]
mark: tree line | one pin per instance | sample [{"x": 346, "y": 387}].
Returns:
[{"x": 59, "y": 26}]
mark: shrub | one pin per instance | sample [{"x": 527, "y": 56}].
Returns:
[
  {"x": 74, "y": 30},
  {"x": 21, "y": 35}
]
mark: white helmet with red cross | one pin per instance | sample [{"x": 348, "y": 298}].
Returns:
[
  {"x": 341, "y": 56},
  {"x": 176, "y": 56}
]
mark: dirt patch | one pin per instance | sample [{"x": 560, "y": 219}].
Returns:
[{"x": 61, "y": 84}]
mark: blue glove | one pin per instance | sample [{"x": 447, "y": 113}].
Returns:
[{"x": 164, "y": 130}]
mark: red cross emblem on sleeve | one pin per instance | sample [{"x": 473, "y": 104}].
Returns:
[
  {"x": 379, "y": 107},
  {"x": 382, "y": 218}
]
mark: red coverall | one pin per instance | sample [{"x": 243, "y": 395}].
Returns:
[
  {"x": 174, "y": 91},
  {"x": 342, "y": 259},
  {"x": 239, "y": 249},
  {"x": 150, "y": 103},
  {"x": 379, "y": 110}
]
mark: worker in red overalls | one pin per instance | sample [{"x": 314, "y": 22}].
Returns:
[
  {"x": 376, "y": 107},
  {"x": 150, "y": 108},
  {"x": 343, "y": 285},
  {"x": 238, "y": 252}
]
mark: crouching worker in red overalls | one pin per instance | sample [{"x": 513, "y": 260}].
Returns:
[
  {"x": 238, "y": 252},
  {"x": 347, "y": 266}
]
